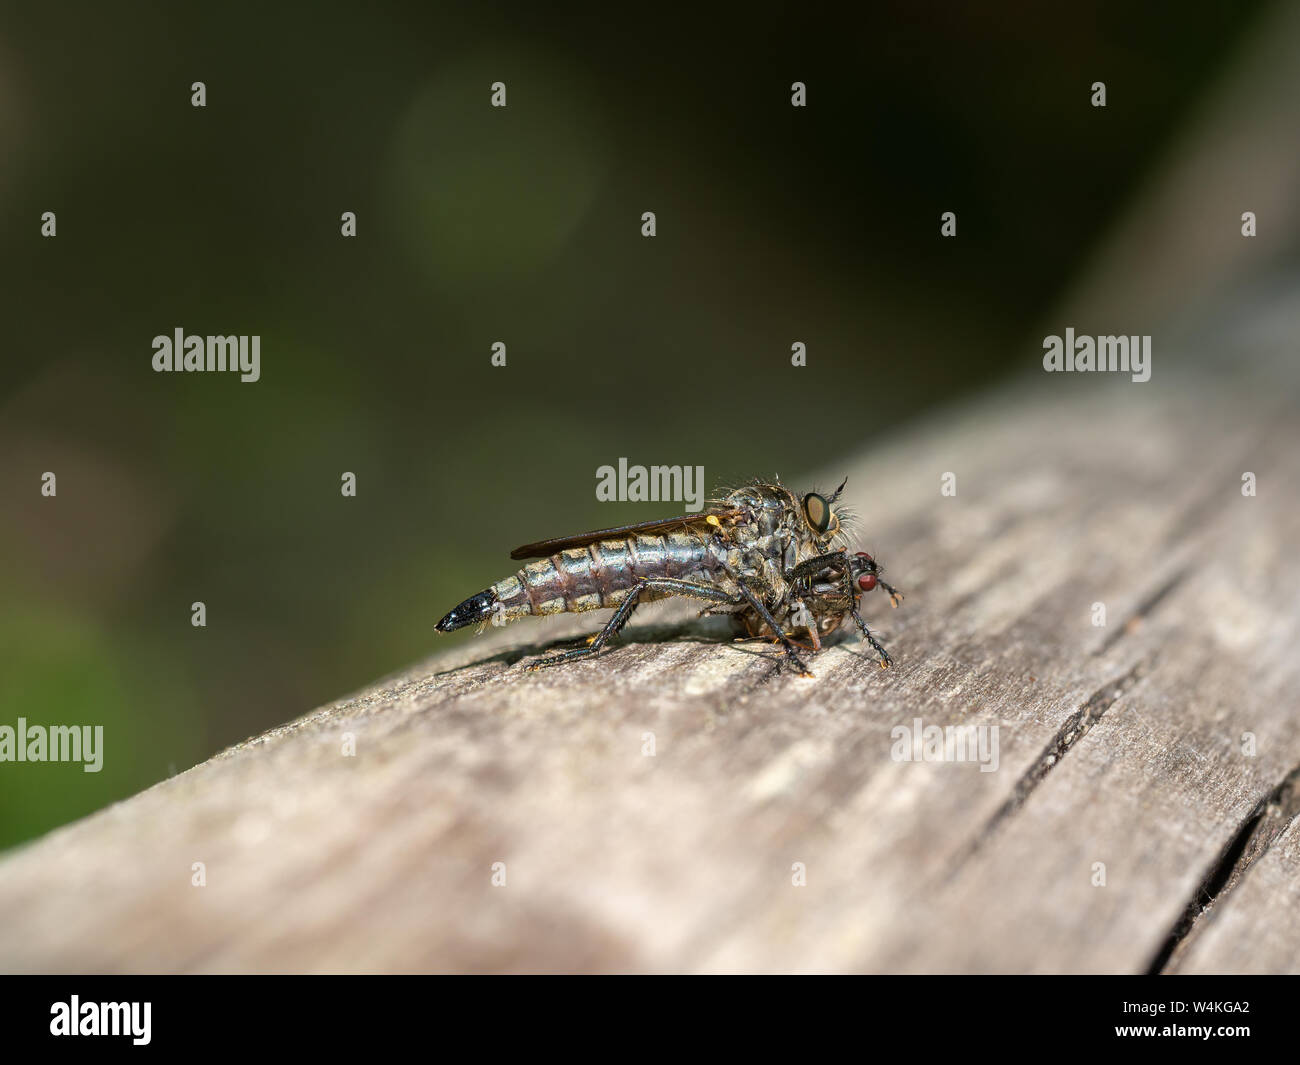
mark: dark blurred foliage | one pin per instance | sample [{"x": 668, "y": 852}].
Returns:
[{"x": 522, "y": 225}]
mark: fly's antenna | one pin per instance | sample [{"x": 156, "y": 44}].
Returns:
[{"x": 838, "y": 491}]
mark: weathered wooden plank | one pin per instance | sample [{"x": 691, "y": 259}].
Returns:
[{"x": 1069, "y": 493}]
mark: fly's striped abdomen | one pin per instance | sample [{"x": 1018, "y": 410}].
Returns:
[{"x": 601, "y": 574}]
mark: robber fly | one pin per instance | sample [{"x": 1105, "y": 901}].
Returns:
[{"x": 779, "y": 565}]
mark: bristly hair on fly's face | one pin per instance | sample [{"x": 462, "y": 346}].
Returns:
[{"x": 844, "y": 517}]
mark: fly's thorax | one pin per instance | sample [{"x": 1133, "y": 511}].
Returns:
[
  {"x": 771, "y": 507},
  {"x": 767, "y": 529},
  {"x": 774, "y": 548}
]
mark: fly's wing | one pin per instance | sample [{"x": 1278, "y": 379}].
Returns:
[{"x": 546, "y": 548}]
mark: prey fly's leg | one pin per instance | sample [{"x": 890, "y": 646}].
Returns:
[
  {"x": 810, "y": 567},
  {"x": 774, "y": 639},
  {"x": 788, "y": 645},
  {"x": 894, "y": 595},
  {"x": 624, "y": 611},
  {"x": 885, "y": 660}
]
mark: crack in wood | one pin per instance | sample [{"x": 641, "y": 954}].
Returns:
[
  {"x": 1075, "y": 727},
  {"x": 1269, "y": 818}
]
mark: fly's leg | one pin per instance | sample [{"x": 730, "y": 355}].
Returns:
[
  {"x": 773, "y": 639},
  {"x": 885, "y": 660},
  {"x": 791, "y": 651},
  {"x": 810, "y": 567},
  {"x": 717, "y": 611},
  {"x": 624, "y": 611},
  {"x": 756, "y": 603}
]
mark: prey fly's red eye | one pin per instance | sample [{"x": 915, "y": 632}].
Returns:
[{"x": 867, "y": 581}]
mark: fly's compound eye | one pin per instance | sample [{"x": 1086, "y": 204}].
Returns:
[
  {"x": 867, "y": 581},
  {"x": 818, "y": 512}
]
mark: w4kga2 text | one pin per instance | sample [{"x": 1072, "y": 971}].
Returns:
[
  {"x": 193, "y": 354},
  {"x": 1182, "y": 1007}
]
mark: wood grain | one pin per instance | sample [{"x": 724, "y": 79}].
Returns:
[{"x": 1126, "y": 745}]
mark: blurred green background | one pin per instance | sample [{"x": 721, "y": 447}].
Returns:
[{"x": 478, "y": 225}]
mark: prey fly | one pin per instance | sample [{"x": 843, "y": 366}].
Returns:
[{"x": 778, "y": 564}]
